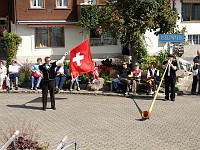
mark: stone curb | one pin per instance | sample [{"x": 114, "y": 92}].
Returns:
[
  {"x": 85, "y": 92},
  {"x": 97, "y": 93}
]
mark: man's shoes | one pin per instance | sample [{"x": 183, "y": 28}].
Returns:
[
  {"x": 16, "y": 88},
  {"x": 172, "y": 99},
  {"x": 193, "y": 93},
  {"x": 54, "y": 108},
  {"x": 166, "y": 99},
  {"x": 127, "y": 93},
  {"x": 57, "y": 90},
  {"x": 44, "y": 109},
  {"x": 8, "y": 89}
]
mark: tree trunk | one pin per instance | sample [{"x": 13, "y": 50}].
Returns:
[{"x": 134, "y": 53}]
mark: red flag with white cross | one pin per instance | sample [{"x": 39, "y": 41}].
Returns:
[{"x": 81, "y": 59}]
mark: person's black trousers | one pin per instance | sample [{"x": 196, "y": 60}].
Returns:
[
  {"x": 170, "y": 82},
  {"x": 194, "y": 85},
  {"x": 48, "y": 85}
]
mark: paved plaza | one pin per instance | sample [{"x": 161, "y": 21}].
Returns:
[{"x": 107, "y": 122}]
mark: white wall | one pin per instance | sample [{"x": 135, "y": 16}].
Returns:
[
  {"x": 73, "y": 37},
  {"x": 153, "y": 46},
  {"x": 191, "y": 27}
]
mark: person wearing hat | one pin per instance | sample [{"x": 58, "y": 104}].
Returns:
[
  {"x": 134, "y": 79},
  {"x": 121, "y": 77},
  {"x": 170, "y": 77},
  {"x": 196, "y": 74}
]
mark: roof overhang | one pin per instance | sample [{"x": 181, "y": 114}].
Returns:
[{"x": 47, "y": 23}]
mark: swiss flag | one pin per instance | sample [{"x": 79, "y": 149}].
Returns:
[{"x": 81, "y": 59}]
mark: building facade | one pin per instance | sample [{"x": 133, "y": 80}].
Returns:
[
  {"x": 50, "y": 28},
  {"x": 189, "y": 13}
]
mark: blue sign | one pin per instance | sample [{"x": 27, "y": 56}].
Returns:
[{"x": 171, "y": 38}]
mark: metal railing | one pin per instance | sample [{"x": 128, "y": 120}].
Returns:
[
  {"x": 63, "y": 146},
  {"x": 11, "y": 141}
]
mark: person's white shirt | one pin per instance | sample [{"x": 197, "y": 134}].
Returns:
[
  {"x": 61, "y": 70},
  {"x": 13, "y": 68},
  {"x": 3, "y": 70},
  {"x": 153, "y": 70}
]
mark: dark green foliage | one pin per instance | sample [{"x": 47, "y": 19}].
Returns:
[
  {"x": 128, "y": 20},
  {"x": 84, "y": 78},
  {"x": 25, "y": 74},
  {"x": 13, "y": 41},
  {"x": 24, "y": 79}
]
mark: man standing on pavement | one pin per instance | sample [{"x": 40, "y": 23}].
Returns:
[
  {"x": 196, "y": 74},
  {"x": 48, "y": 81},
  {"x": 170, "y": 77}
]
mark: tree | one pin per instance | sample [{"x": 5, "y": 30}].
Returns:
[
  {"x": 13, "y": 41},
  {"x": 130, "y": 19}
]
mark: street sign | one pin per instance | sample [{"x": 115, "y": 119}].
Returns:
[{"x": 171, "y": 38}]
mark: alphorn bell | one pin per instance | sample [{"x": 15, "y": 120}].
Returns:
[{"x": 146, "y": 114}]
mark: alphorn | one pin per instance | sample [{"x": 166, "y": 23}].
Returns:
[{"x": 146, "y": 114}]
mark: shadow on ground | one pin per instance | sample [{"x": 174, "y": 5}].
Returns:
[{"x": 36, "y": 100}]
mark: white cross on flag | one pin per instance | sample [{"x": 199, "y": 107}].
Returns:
[{"x": 81, "y": 59}]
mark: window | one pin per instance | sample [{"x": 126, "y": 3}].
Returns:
[
  {"x": 190, "y": 11},
  {"x": 37, "y": 3},
  {"x": 90, "y": 1},
  {"x": 99, "y": 40},
  {"x": 62, "y": 3},
  {"x": 49, "y": 37},
  {"x": 194, "y": 39}
]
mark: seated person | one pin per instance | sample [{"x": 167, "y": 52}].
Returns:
[
  {"x": 153, "y": 78},
  {"x": 13, "y": 74},
  {"x": 134, "y": 79},
  {"x": 61, "y": 76},
  {"x": 93, "y": 75},
  {"x": 121, "y": 77},
  {"x": 72, "y": 82},
  {"x": 36, "y": 74},
  {"x": 3, "y": 72}
]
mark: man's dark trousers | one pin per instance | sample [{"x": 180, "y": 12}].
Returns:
[
  {"x": 48, "y": 85},
  {"x": 194, "y": 84},
  {"x": 170, "y": 82}
]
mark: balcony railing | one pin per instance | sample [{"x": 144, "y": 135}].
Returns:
[{"x": 102, "y": 42}]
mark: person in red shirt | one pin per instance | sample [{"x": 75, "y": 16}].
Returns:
[
  {"x": 94, "y": 75},
  {"x": 134, "y": 79}
]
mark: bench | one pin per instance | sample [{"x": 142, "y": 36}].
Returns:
[{"x": 142, "y": 85}]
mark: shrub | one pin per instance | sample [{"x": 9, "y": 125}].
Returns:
[
  {"x": 13, "y": 41},
  {"x": 25, "y": 73},
  {"x": 28, "y": 137},
  {"x": 146, "y": 61},
  {"x": 84, "y": 78}
]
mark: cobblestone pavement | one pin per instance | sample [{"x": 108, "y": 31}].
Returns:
[{"x": 107, "y": 122}]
